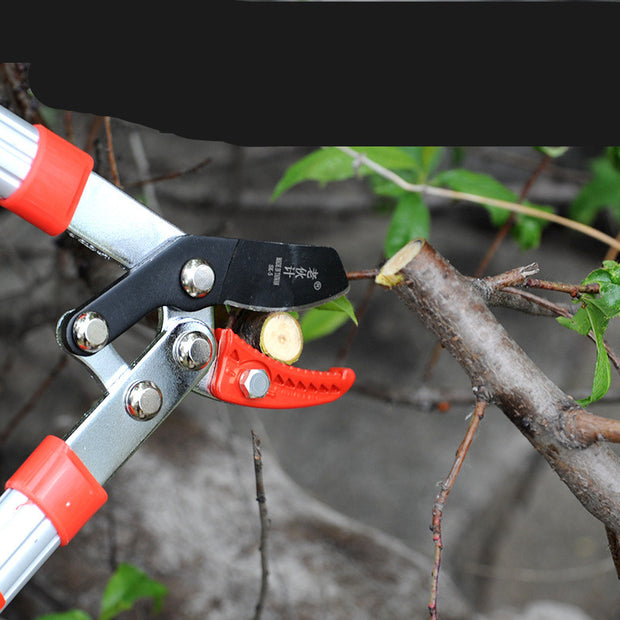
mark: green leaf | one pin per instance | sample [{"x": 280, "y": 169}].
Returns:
[
  {"x": 342, "y": 304},
  {"x": 527, "y": 230},
  {"x": 461, "y": 180},
  {"x": 428, "y": 158},
  {"x": 602, "y": 368},
  {"x": 580, "y": 322},
  {"x": 326, "y": 318},
  {"x": 613, "y": 154},
  {"x": 602, "y": 191},
  {"x": 73, "y": 614},
  {"x": 316, "y": 323},
  {"x": 552, "y": 151},
  {"x": 331, "y": 164},
  {"x": 126, "y": 586},
  {"x": 411, "y": 219}
]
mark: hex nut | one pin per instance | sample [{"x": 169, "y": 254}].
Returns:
[{"x": 254, "y": 383}]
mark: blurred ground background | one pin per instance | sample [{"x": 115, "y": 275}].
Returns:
[{"x": 514, "y": 535}]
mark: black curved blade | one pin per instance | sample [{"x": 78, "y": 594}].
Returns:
[
  {"x": 257, "y": 275},
  {"x": 279, "y": 276}
]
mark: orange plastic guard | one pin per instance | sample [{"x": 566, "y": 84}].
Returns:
[
  {"x": 50, "y": 193},
  {"x": 290, "y": 387},
  {"x": 56, "y": 480}
]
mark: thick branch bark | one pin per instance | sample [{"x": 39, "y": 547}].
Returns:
[{"x": 503, "y": 374}]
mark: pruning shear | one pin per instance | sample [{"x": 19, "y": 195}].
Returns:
[{"x": 50, "y": 183}]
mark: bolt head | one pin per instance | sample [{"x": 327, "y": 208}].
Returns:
[
  {"x": 254, "y": 383},
  {"x": 197, "y": 277},
  {"x": 90, "y": 332},
  {"x": 193, "y": 351},
  {"x": 144, "y": 400}
]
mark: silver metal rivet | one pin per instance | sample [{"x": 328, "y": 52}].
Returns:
[
  {"x": 90, "y": 331},
  {"x": 193, "y": 351},
  {"x": 254, "y": 383},
  {"x": 144, "y": 400},
  {"x": 197, "y": 277}
]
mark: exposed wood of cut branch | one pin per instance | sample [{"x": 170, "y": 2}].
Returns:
[
  {"x": 276, "y": 334},
  {"x": 455, "y": 312}
]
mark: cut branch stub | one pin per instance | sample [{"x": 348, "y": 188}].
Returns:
[
  {"x": 276, "y": 334},
  {"x": 502, "y": 373}
]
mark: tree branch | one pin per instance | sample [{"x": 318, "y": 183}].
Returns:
[{"x": 504, "y": 375}]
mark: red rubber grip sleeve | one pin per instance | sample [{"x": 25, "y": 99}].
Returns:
[
  {"x": 54, "y": 478},
  {"x": 50, "y": 193},
  {"x": 290, "y": 387}
]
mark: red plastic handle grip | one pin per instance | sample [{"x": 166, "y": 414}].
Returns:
[
  {"x": 290, "y": 386},
  {"x": 50, "y": 193},
  {"x": 55, "y": 479}
]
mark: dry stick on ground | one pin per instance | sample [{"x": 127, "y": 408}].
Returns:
[
  {"x": 440, "y": 502},
  {"x": 264, "y": 525},
  {"x": 501, "y": 373}
]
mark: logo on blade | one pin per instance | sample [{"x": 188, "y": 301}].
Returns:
[{"x": 277, "y": 270}]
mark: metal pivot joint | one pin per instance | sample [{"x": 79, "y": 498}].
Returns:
[
  {"x": 197, "y": 277},
  {"x": 143, "y": 400},
  {"x": 90, "y": 332},
  {"x": 193, "y": 351}
]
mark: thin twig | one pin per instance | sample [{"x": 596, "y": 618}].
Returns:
[
  {"x": 560, "y": 311},
  {"x": 95, "y": 128},
  {"x": 360, "y": 311},
  {"x": 572, "y": 289},
  {"x": 446, "y": 487},
  {"x": 264, "y": 525},
  {"x": 363, "y": 274},
  {"x": 501, "y": 234},
  {"x": 512, "y": 277},
  {"x": 612, "y": 253},
  {"x": 111, "y": 158},
  {"x": 508, "y": 224},
  {"x": 481, "y": 200},
  {"x": 170, "y": 175},
  {"x": 14, "y": 422},
  {"x": 588, "y": 428}
]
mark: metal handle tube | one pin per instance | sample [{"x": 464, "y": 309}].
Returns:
[
  {"x": 18, "y": 146},
  {"x": 104, "y": 218},
  {"x": 27, "y": 540}
]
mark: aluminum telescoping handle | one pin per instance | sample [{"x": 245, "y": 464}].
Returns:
[
  {"x": 18, "y": 147},
  {"x": 50, "y": 183},
  {"x": 28, "y": 539},
  {"x": 46, "y": 502}
]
